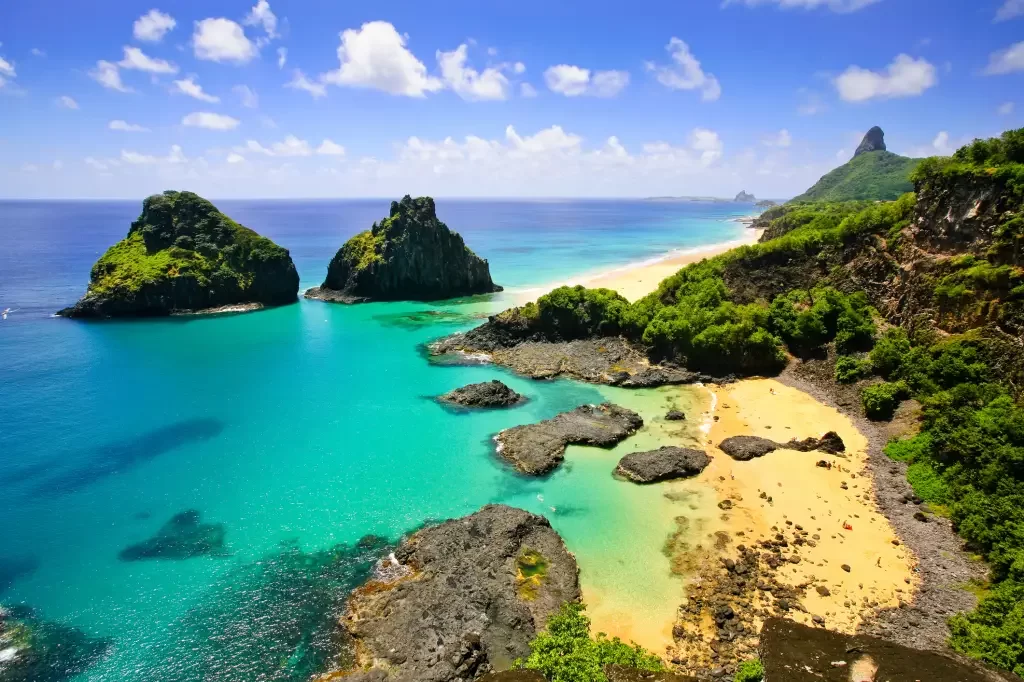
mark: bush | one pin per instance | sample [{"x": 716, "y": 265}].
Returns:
[
  {"x": 749, "y": 671},
  {"x": 994, "y": 632},
  {"x": 850, "y": 370},
  {"x": 565, "y": 651},
  {"x": 881, "y": 400},
  {"x": 577, "y": 312}
]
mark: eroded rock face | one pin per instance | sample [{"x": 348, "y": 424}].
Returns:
[
  {"x": 792, "y": 652},
  {"x": 539, "y": 448},
  {"x": 665, "y": 463},
  {"x": 874, "y": 141},
  {"x": 471, "y": 594},
  {"x": 485, "y": 394},
  {"x": 408, "y": 256}
]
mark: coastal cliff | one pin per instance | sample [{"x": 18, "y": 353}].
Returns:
[
  {"x": 410, "y": 255},
  {"x": 182, "y": 255}
]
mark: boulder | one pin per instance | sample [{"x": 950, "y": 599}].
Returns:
[
  {"x": 663, "y": 464},
  {"x": 464, "y": 598},
  {"x": 675, "y": 416},
  {"x": 830, "y": 443},
  {"x": 537, "y": 449},
  {"x": 874, "y": 141},
  {"x": 410, "y": 255},
  {"x": 485, "y": 394},
  {"x": 744, "y": 448}
]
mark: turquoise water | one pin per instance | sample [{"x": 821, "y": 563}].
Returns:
[{"x": 300, "y": 429}]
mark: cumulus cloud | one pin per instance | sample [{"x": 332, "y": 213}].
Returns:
[
  {"x": 942, "y": 145},
  {"x": 222, "y": 40},
  {"x": 188, "y": 86},
  {"x": 519, "y": 68},
  {"x": 375, "y": 56},
  {"x": 330, "y": 148},
  {"x": 152, "y": 26},
  {"x": 289, "y": 146},
  {"x": 247, "y": 96},
  {"x": 235, "y": 158},
  {"x": 841, "y": 6},
  {"x": 7, "y": 68},
  {"x": 109, "y": 76},
  {"x": 299, "y": 81},
  {"x": 124, "y": 126},
  {"x": 175, "y": 156},
  {"x": 904, "y": 77},
  {"x": 1005, "y": 109},
  {"x": 1006, "y": 61},
  {"x": 685, "y": 72},
  {"x": 468, "y": 83},
  {"x": 136, "y": 59},
  {"x": 67, "y": 102},
  {"x": 574, "y": 81},
  {"x": 210, "y": 121},
  {"x": 779, "y": 139},
  {"x": 282, "y": 57},
  {"x": 36, "y": 52},
  {"x": 261, "y": 15},
  {"x": 1011, "y": 9}
]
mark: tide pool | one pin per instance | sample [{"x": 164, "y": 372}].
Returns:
[{"x": 302, "y": 429}]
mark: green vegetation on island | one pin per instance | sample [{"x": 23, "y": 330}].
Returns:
[{"x": 183, "y": 255}]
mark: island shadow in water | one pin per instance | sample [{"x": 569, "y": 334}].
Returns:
[
  {"x": 113, "y": 458},
  {"x": 183, "y": 537},
  {"x": 13, "y": 568}
]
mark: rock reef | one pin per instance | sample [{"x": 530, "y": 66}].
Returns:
[
  {"x": 484, "y": 394},
  {"x": 537, "y": 449},
  {"x": 461, "y": 599},
  {"x": 408, "y": 256},
  {"x": 183, "y": 537},
  {"x": 182, "y": 255},
  {"x": 665, "y": 463}
]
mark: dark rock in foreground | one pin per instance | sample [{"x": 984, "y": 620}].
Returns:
[
  {"x": 539, "y": 448},
  {"x": 485, "y": 394},
  {"x": 830, "y": 443},
  {"x": 873, "y": 141},
  {"x": 744, "y": 448},
  {"x": 408, "y": 256},
  {"x": 38, "y": 650},
  {"x": 798, "y": 653},
  {"x": 621, "y": 673},
  {"x": 182, "y": 255},
  {"x": 675, "y": 416},
  {"x": 663, "y": 464},
  {"x": 183, "y": 537},
  {"x": 464, "y": 598}
]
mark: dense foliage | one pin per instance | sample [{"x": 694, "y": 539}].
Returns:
[
  {"x": 749, "y": 671},
  {"x": 565, "y": 651},
  {"x": 873, "y": 176}
]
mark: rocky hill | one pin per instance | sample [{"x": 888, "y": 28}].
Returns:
[
  {"x": 410, "y": 255},
  {"x": 183, "y": 255}
]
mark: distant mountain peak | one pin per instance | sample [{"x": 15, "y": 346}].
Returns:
[
  {"x": 874, "y": 141},
  {"x": 744, "y": 197}
]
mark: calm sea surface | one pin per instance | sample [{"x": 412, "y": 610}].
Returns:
[{"x": 301, "y": 429}]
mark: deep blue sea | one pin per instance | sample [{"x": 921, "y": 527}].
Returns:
[{"x": 301, "y": 429}]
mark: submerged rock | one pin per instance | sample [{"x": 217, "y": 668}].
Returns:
[
  {"x": 799, "y": 653},
  {"x": 473, "y": 594},
  {"x": 675, "y": 416},
  {"x": 183, "y": 537},
  {"x": 874, "y": 141},
  {"x": 182, "y": 255},
  {"x": 408, "y": 256},
  {"x": 36, "y": 650},
  {"x": 485, "y": 394},
  {"x": 539, "y": 448},
  {"x": 744, "y": 448},
  {"x": 663, "y": 464}
]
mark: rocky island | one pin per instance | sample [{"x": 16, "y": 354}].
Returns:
[
  {"x": 408, "y": 256},
  {"x": 182, "y": 255},
  {"x": 484, "y": 394}
]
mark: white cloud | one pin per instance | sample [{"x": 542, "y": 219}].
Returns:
[
  {"x": 235, "y": 158},
  {"x": 686, "y": 72},
  {"x": 300, "y": 82},
  {"x": 519, "y": 68},
  {"x": 282, "y": 57},
  {"x": 375, "y": 56},
  {"x": 1010, "y": 10},
  {"x": 247, "y": 96},
  {"x": 527, "y": 90},
  {"x": 188, "y": 86},
  {"x": 222, "y": 40},
  {"x": 36, "y": 52},
  {"x": 1006, "y": 61},
  {"x": 97, "y": 164},
  {"x": 574, "y": 81},
  {"x": 134, "y": 58},
  {"x": 210, "y": 121},
  {"x": 175, "y": 156},
  {"x": 67, "y": 102},
  {"x": 124, "y": 126},
  {"x": 153, "y": 25},
  {"x": 1005, "y": 109},
  {"x": 466, "y": 82},
  {"x": 942, "y": 145},
  {"x": 288, "y": 147},
  {"x": 261, "y": 15},
  {"x": 779, "y": 139},
  {"x": 6, "y": 68},
  {"x": 107, "y": 74},
  {"x": 708, "y": 143},
  {"x": 841, "y": 6},
  {"x": 330, "y": 148},
  {"x": 905, "y": 77},
  {"x": 810, "y": 103}
]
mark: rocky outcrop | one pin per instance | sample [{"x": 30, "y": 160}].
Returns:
[
  {"x": 665, "y": 463},
  {"x": 675, "y": 416},
  {"x": 183, "y": 537},
  {"x": 410, "y": 255},
  {"x": 485, "y": 394},
  {"x": 182, "y": 255},
  {"x": 745, "y": 448},
  {"x": 745, "y": 198},
  {"x": 461, "y": 599},
  {"x": 33, "y": 649},
  {"x": 873, "y": 141},
  {"x": 537, "y": 449}
]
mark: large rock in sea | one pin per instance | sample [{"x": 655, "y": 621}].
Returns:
[
  {"x": 182, "y": 255},
  {"x": 461, "y": 599},
  {"x": 484, "y": 394},
  {"x": 666, "y": 463},
  {"x": 408, "y": 256},
  {"x": 874, "y": 141}
]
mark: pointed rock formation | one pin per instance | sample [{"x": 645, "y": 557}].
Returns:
[{"x": 874, "y": 141}]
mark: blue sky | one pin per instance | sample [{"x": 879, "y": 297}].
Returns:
[{"x": 234, "y": 98}]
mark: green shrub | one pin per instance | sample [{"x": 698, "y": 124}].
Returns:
[
  {"x": 578, "y": 313},
  {"x": 994, "y": 632},
  {"x": 888, "y": 353},
  {"x": 850, "y": 370},
  {"x": 927, "y": 483},
  {"x": 565, "y": 651},
  {"x": 881, "y": 400},
  {"x": 749, "y": 671}
]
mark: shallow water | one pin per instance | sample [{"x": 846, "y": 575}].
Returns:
[{"x": 300, "y": 429}]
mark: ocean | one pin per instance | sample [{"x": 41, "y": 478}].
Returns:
[{"x": 302, "y": 430}]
